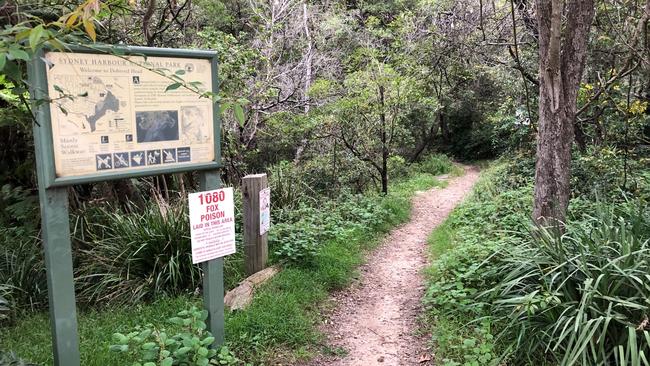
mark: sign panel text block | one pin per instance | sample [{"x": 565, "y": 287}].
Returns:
[{"x": 212, "y": 222}]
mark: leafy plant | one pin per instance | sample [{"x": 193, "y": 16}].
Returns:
[
  {"x": 435, "y": 164},
  {"x": 136, "y": 256},
  {"x": 150, "y": 346},
  {"x": 581, "y": 297},
  {"x": 4, "y": 303},
  {"x": 22, "y": 273},
  {"x": 289, "y": 187}
]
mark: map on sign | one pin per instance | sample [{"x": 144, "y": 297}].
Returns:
[
  {"x": 103, "y": 104},
  {"x": 113, "y": 113}
]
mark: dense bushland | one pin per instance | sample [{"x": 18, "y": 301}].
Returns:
[{"x": 536, "y": 295}]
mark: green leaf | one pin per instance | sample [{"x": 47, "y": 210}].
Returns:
[
  {"x": 180, "y": 72},
  {"x": 167, "y": 362},
  {"x": 18, "y": 54},
  {"x": 56, "y": 44},
  {"x": 148, "y": 346},
  {"x": 183, "y": 350},
  {"x": 23, "y": 34},
  {"x": 35, "y": 36},
  {"x": 239, "y": 114},
  {"x": 224, "y": 107},
  {"x": 173, "y": 86},
  {"x": 3, "y": 60},
  {"x": 208, "y": 341}
]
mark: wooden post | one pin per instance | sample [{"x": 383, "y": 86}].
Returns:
[{"x": 256, "y": 250}]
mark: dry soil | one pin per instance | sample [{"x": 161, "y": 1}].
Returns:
[{"x": 374, "y": 322}]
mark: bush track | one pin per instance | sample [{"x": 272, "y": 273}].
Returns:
[{"x": 374, "y": 322}]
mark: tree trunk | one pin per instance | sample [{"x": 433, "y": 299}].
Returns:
[
  {"x": 308, "y": 71},
  {"x": 562, "y": 57},
  {"x": 384, "y": 142}
]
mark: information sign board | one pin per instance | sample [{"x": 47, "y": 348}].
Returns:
[
  {"x": 117, "y": 116},
  {"x": 212, "y": 222}
]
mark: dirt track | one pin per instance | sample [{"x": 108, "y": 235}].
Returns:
[{"x": 374, "y": 321}]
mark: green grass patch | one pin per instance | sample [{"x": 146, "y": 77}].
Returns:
[
  {"x": 281, "y": 319},
  {"x": 440, "y": 240}
]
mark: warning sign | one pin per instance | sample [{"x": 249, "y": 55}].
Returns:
[
  {"x": 212, "y": 222},
  {"x": 265, "y": 210}
]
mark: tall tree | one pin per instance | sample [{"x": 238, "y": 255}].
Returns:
[{"x": 562, "y": 54}]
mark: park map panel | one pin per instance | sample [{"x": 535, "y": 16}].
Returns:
[{"x": 114, "y": 113}]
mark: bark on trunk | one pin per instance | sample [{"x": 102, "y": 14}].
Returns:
[
  {"x": 562, "y": 52},
  {"x": 384, "y": 142}
]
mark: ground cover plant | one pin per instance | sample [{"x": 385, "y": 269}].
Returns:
[
  {"x": 318, "y": 248},
  {"x": 538, "y": 296}
]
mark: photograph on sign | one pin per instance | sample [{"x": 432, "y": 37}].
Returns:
[
  {"x": 212, "y": 223},
  {"x": 265, "y": 210},
  {"x": 115, "y": 113}
]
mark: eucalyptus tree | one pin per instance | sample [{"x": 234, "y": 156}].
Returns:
[{"x": 563, "y": 38}]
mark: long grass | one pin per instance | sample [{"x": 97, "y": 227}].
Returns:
[{"x": 580, "y": 298}]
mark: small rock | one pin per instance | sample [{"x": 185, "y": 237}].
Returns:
[{"x": 380, "y": 359}]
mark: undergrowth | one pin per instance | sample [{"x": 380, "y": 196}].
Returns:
[
  {"x": 504, "y": 292},
  {"x": 319, "y": 248}
]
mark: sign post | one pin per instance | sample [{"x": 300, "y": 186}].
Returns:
[
  {"x": 256, "y": 249},
  {"x": 114, "y": 113},
  {"x": 213, "y": 291}
]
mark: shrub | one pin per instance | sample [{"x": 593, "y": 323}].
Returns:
[
  {"x": 150, "y": 346},
  {"x": 22, "y": 274},
  {"x": 289, "y": 187},
  {"x": 135, "y": 256},
  {"x": 299, "y": 238},
  {"x": 581, "y": 297},
  {"x": 435, "y": 165}
]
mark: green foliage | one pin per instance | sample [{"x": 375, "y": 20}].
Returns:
[
  {"x": 18, "y": 208},
  {"x": 435, "y": 164},
  {"x": 535, "y": 297},
  {"x": 299, "y": 239},
  {"x": 580, "y": 297},
  {"x": 290, "y": 187},
  {"x": 135, "y": 256},
  {"x": 605, "y": 173},
  {"x": 150, "y": 346},
  {"x": 22, "y": 274},
  {"x": 4, "y": 303}
]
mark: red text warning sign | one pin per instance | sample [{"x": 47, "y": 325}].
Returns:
[{"x": 212, "y": 219}]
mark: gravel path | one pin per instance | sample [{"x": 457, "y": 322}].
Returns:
[{"x": 373, "y": 322}]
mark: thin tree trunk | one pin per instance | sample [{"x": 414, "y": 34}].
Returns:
[
  {"x": 308, "y": 72},
  {"x": 384, "y": 142}
]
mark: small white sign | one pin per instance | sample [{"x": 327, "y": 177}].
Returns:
[
  {"x": 265, "y": 210},
  {"x": 212, "y": 222}
]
